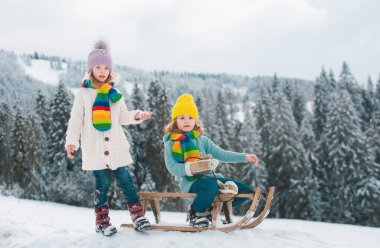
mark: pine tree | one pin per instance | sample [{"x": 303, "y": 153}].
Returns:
[
  {"x": 60, "y": 115},
  {"x": 369, "y": 193},
  {"x": 138, "y": 139},
  {"x": 322, "y": 91},
  {"x": 157, "y": 102},
  {"x": 5, "y": 145},
  {"x": 35, "y": 154},
  {"x": 287, "y": 167},
  {"x": 275, "y": 84},
  {"x": 249, "y": 142},
  {"x": 345, "y": 160},
  {"x": 19, "y": 168},
  {"x": 42, "y": 111},
  {"x": 64, "y": 180},
  {"x": 307, "y": 138},
  {"x": 263, "y": 112},
  {"x": 377, "y": 92},
  {"x": 221, "y": 126},
  {"x": 222, "y": 132},
  {"x": 332, "y": 81},
  {"x": 368, "y": 104},
  {"x": 298, "y": 107},
  {"x": 288, "y": 91},
  {"x": 348, "y": 82}
]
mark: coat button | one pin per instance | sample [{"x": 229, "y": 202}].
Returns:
[
  {"x": 106, "y": 138},
  {"x": 106, "y": 153},
  {"x": 107, "y": 166}
]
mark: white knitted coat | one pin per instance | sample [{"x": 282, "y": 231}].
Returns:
[{"x": 100, "y": 150}]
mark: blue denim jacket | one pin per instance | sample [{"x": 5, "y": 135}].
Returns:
[{"x": 205, "y": 146}]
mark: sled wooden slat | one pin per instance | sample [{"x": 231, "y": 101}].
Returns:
[
  {"x": 153, "y": 199},
  {"x": 157, "y": 194}
]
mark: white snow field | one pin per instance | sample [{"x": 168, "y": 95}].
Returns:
[
  {"x": 27, "y": 223},
  {"x": 40, "y": 70}
]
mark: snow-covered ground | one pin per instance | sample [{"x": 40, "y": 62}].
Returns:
[
  {"x": 41, "y": 70},
  {"x": 25, "y": 223}
]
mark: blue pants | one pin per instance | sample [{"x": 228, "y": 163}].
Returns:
[
  {"x": 207, "y": 188},
  {"x": 124, "y": 181}
]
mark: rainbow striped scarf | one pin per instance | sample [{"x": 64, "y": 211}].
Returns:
[
  {"x": 101, "y": 111},
  {"x": 184, "y": 150}
]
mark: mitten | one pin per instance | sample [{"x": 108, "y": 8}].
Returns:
[{"x": 201, "y": 166}]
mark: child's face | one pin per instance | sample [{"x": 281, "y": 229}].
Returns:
[
  {"x": 185, "y": 123},
  {"x": 101, "y": 73}
]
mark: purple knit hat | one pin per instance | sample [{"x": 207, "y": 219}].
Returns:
[{"x": 100, "y": 55}]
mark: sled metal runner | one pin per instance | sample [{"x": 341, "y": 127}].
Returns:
[{"x": 247, "y": 221}]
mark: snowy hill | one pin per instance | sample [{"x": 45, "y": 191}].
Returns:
[
  {"x": 26, "y": 223},
  {"x": 41, "y": 70}
]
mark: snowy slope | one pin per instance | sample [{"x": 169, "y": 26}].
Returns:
[
  {"x": 26, "y": 223},
  {"x": 40, "y": 70}
]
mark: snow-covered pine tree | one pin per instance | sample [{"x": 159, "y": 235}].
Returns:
[
  {"x": 158, "y": 103},
  {"x": 307, "y": 138},
  {"x": 19, "y": 168},
  {"x": 298, "y": 106},
  {"x": 249, "y": 142},
  {"x": 263, "y": 112},
  {"x": 287, "y": 167},
  {"x": 373, "y": 133},
  {"x": 275, "y": 85},
  {"x": 345, "y": 159},
  {"x": 199, "y": 104},
  {"x": 64, "y": 179},
  {"x": 137, "y": 139},
  {"x": 369, "y": 192},
  {"x": 58, "y": 120},
  {"x": 288, "y": 91},
  {"x": 206, "y": 112},
  {"x": 5, "y": 144},
  {"x": 42, "y": 111},
  {"x": 221, "y": 123},
  {"x": 368, "y": 104},
  {"x": 348, "y": 82},
  {"x": 377, "y": 91},
  {"x": 35, "y": 153},
  {"x": 332, "y": 81},
  {"x": 221, "y": 132},
  {"x": 322, "y": 91}
]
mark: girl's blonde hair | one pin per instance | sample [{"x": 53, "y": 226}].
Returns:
[{"x": 172, "y": 127}]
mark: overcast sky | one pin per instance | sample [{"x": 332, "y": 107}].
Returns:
[{"x": 294, "y": 38}]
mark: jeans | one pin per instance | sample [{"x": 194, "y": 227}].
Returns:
[
  {"x": 124, "y": 181},
  {"x": 207, "y": 188}
]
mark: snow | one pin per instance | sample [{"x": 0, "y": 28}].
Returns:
[
  {"x": 27, "y": 223},
  {"x": 40, "y": 70},
  {"x": 128, "y": 86}
]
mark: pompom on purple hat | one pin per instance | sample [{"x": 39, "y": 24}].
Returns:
[{"x": 100, "y": 55}]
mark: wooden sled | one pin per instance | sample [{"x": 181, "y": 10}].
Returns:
[{"x": 222, "y": 201}]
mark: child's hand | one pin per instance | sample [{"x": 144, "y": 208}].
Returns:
[
  {"x": 252, "y": 158},
  {"x": 143, "y": 115},
  {"x": 69, "y": 150}
]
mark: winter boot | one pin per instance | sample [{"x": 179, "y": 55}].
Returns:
[
  {"x": 198, "y": 219},
  {"x": 140, "y": 223},
  {"x": 103, "y": 224}
]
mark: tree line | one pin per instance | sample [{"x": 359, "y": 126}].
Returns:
[{"x": 322, "y": 154}]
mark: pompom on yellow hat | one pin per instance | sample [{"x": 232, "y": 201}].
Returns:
[{"x": 185, "y": 106}]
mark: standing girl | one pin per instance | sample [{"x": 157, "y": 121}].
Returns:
[
  {"x": 185, "y": 147},
  {"x": 96, "y": 117}
]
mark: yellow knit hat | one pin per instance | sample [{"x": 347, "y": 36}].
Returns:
[{"x": 185, "y": 106}]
